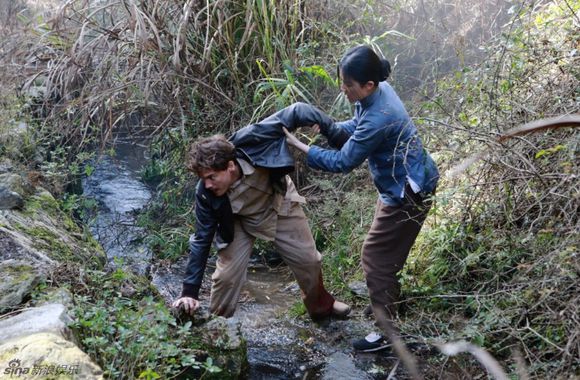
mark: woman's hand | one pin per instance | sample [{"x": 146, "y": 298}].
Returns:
[{"x": 293, "y": 140}]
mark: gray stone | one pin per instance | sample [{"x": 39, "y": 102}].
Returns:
[
  {"x": 16, "y": 245},
  {"x": 17, "y": 184},
  {"x": 10, "y": 199},
  {"x": 13, "y": 190},
  {"x": 227, "y": 347},
  {"x": 50, "y": 318},
  {"x": 43, "y": 235},
  {"x": 168, "y": 278},
  {"x": 18, "y": 280},
  {"x": 359, "y": 288},
  {"x": 224, "y": 333}
]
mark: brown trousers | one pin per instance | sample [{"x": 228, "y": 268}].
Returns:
[
  {"x": 387, "y": 246},
  {"x": 294, "y": 243}
]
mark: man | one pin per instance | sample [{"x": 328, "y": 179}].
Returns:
[{"x": 244, "y": 194}]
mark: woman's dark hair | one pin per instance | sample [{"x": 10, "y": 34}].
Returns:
[
  {"x": 210, "y": 153},
  {"x": 362, "y": 64}
]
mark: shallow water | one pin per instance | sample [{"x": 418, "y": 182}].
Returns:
[{"x": 116, "y": 186}]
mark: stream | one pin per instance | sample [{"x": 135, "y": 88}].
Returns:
[{"x": 280, "y": 346}]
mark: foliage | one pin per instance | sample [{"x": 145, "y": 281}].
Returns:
[
  {"x": 340, "y": 218},
  {"x": 502, "y": 236},
  {"x": 133, "y": 337},
  {"x": 186, "y": 67}
]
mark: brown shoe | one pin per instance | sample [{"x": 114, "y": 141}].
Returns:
[{"x": 340, "y": 309}]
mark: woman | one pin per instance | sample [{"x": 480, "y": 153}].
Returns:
[{"x": 403, "y": 173}]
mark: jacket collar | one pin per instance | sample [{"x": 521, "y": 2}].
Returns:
[
  {"x": 366, "y": 102},
  {"x": 246, "y": 169}
]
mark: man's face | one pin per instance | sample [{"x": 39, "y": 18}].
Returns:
[{"x": 219, "y": 181}]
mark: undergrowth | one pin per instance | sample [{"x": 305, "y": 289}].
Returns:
[{"x": 130, "y": 333}]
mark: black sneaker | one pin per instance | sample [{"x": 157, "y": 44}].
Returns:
[{"x": 372, "y": 342}]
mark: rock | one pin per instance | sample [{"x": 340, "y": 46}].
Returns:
[
  {"x": 15, "y": 183},
  {"x": 18, "y": 280},
  {"x": 341, "y": 367},
  {"x": 227, "y": 347},
  {"x": 36, "y": 91},
  {"x": 168, "y": 278},
  {"x": 359, "y": 288},
  {"x": 10, "y": 200},
  {"x": 45, "y": 356},
  {"x": 43, "y": 235},
  {"x": 14, "y": 245},
  {"x": 13, "y": 190},
  {"x": 50, "y": 318},
  {"x": 224, "y": 333},
  {"x": 37, "y": 344},
  {"x": 55, "y": 295}
]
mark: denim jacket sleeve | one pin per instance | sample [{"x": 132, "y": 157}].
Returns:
[
  {"x": 365, "y": 139},
  {"x": 348, "y": 125},
  {"x": 199, "y": 244}
]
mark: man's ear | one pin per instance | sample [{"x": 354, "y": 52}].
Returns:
[
  {"x": 231, "y": 165},
  {"x": 369, "y": 85}
]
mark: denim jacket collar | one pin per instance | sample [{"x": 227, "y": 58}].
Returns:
[{"x": 372, "y": 98}]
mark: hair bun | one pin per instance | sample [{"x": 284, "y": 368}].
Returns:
[{"x": 386, "y": 69}]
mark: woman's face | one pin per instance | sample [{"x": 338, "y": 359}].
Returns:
[{"x": 354, "y": 90}]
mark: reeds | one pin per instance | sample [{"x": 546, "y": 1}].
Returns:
[{"x": 166, "y": 64}]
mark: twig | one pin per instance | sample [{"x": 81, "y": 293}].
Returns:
[
  {"x": 393, "y": 371},
  {"x": 401, "y": 350},
  {"x": 492, "y": 366},
  {"x": 532, "y": 127},
  {"x": 528, "y": 327}
]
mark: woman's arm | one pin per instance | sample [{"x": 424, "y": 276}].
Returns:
[
  {"x": 365, "y": 139},
  {"x": 293, "y": 140}
]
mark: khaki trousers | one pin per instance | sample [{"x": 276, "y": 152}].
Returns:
[
  {"x": 387, "y": 246},
  {"x": 294, "y": 243}
]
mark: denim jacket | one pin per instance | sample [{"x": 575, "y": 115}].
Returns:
[{"x": 382, "y": 131}]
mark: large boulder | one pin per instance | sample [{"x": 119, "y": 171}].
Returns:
[
  {"x": 10, "y": 199},
  {"x": 18, "y": 281},
  {"x": 46, "y": 356},
  {"x": 47, "y": 318},
  {"x": 37, "y": 344}
]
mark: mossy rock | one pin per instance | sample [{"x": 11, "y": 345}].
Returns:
[
  {"x": 41, "y": 232},
  {"x": 227, "y": 347},
  {"x": 18, "y": 280},
  {"x": 13, "y": 190},
  {"x": 46, "y": 356}
]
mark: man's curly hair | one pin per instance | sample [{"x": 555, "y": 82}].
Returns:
[{"x": 210, "y": 153}]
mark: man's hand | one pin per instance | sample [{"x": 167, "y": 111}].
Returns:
[
  {"x": 293, "y": 140},
  {"x": 189, "y": 305}
]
